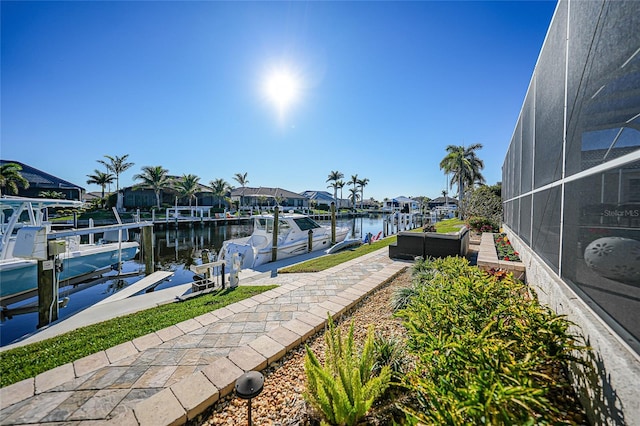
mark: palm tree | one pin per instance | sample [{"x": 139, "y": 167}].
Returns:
[
  {"x": 354, "y": 197},
  {"x": 362, "y": 183},
  {"x": 241, "y": 178},
  {"x": 340, "y": 184},
  {"x": 464, "y": 166},
  {"x": 155, "y": 178},
  {"x": 116, "y": 165},
  {"x": 220, "y": 188},
  {"x": 11, "y": 178},
  {"x": 335, "y": 176},
  {"x": 187, "y": 186},
  {"x": 100, "y": 178},
  {"x": 354, "y": 182}
]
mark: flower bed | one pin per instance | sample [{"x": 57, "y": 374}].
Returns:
[
  {"x": 504, "y": 249},
  {"x": 488, "y": 257}
]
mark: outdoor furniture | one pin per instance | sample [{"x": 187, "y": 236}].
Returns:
[{"x": 430, "y": 244}]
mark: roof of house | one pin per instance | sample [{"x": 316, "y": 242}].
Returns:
[
  {"x": 39, "y": 179},
  {"x": 442, "y": 200},
  {"x": 318, "y": 195},
  {"x": 264, "y": 192}
]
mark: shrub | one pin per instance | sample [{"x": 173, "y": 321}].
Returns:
[
  {"x": 429, "y": 228},
  {"x": 389, "y": 351},
  {"x": 344, "y": 388},
  {"x": 482, "y": 224},
  {"x": 484, "y": 202},
  {"x": 485, "y": 350},
  {"x": 402, "y": 297}
]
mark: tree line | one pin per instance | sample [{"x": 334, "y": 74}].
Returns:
[{"x": 461, "y": 163}]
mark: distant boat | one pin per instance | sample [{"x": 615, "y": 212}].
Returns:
[
  {"x": 293, "y": 239},
  {"x": 25, "y": 228}
]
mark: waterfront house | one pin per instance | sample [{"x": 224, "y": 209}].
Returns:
[
  {"x": 40, "y": 181},
  {"x": 324, "y": 199},
  {"x": 265, "y": 197}
]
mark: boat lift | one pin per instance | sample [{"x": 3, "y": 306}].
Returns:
[{"x": 35, "y": 242}]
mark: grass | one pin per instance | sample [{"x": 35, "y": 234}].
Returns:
[
  {"x": 28, "y": 361},
  {"x": 449, "y": 225},
  {"x": 325, "y": 262},
  {"x": 329, "y": 261}
]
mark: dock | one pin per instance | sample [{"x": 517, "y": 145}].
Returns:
[{"x": 148, "y": 281}]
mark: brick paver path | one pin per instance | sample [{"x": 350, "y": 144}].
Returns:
[{"x": 170, "y": 376}]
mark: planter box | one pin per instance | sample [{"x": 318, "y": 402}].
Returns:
[
  {"x": 430, "y": 244},
  {"x": 488, "y": 258}
]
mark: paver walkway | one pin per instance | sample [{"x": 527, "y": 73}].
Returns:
[{"x": 171, "y": 376}]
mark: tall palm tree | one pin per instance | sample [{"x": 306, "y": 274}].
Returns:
[
  {"x": 11, "y": 178},
  {"x": 220, "y": 188},
  {"x": 155, "y": 178},
  {"x": 354, "y": 182},
  {"x": 340, "y": 184},
  {"x": 464, "y": 165},
  {"x": 354, "y": 196},
  {"x": 362, "y": 183},
  {"x": 334, "y": 177},
  {"x": 100, "y": 178},
  {"x": 241, "y": 178},
  {"x": 117, "y": 165},
  {"x": 187, "y": 186}
]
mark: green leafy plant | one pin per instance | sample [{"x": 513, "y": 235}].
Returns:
[
  {"x": 389, "y": 351},
  {"x": 485, "y": 349},
  {"x": 344, "y": 388},
  {"x": 402, "y": 297},
  {"x": 482, "y": 224}
]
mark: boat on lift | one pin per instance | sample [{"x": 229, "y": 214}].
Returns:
[
  {"x": 24, "y": 237},
  {"x": 292, "y": 239}
]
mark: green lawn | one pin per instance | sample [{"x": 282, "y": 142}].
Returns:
[
  {"x": 328, "y": 261},
  {"x": 30, "y": 360},
  {"x": 449, "y": 225}
]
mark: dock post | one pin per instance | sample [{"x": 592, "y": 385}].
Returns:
[
  {"x": 310, "y": 241},
  {"x": 47, "y": 293},
  {"x": 274, "y": 247},
  {"x": 333, "y": 222},
  {"x": 147, "y": 249}
]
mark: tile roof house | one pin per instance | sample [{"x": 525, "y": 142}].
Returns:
[
  {"x": 40, "y": 181},
  {"x": 265, "y": 196}
]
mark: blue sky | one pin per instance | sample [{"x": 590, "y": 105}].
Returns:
[{"x": 384, "y": 87}]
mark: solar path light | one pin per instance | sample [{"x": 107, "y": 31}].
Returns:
[{"x": 248, "y": 386}]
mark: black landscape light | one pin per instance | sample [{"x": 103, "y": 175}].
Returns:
[{"x": 248, "y": 386}]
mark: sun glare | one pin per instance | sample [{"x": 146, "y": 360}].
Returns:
[{"x": 282, "y": 88}]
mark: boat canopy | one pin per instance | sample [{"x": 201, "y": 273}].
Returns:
[{"x": 304, "y": 223}]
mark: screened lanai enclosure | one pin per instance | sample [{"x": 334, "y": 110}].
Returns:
[{"x": 571, "y": 178}]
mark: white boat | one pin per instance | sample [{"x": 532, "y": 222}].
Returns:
[
  {"x": 19, "y": 274},
  {"x": 343, "y": 245},
  {"x": 292, "y": 240}
]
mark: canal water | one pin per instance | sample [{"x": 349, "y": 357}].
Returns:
[{"x": 174, "y": 250}]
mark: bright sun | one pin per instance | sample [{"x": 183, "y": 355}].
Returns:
[{"x": 282, "y": 87}]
